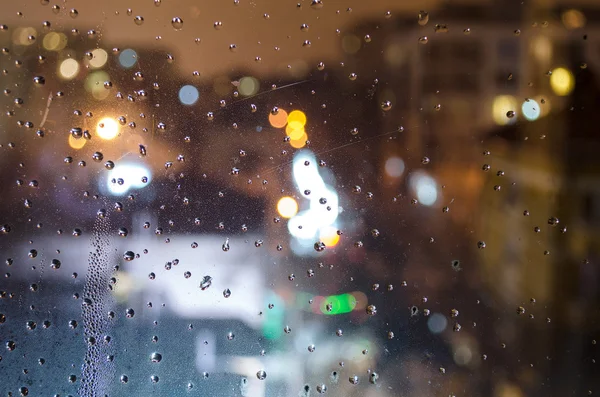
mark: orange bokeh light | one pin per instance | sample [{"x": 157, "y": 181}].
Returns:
[
  {"x": 278, "y": 120},
  {"x": 299, "y": 143}
]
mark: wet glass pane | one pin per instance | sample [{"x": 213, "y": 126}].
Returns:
[{"x": 294, "y": 198}]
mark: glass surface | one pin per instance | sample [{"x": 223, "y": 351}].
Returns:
[{"x": 293, "y": 198}]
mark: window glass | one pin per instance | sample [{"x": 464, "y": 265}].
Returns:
[{"x": 274, "y": 198}]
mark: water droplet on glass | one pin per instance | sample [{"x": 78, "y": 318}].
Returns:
[
  {"x": 386, "y": 105},
  {"x": 206, "y": 282},
  {"x": 177, "y": 23},
  {"x": 423, "y": 40},
  {"x": 371, "y": 310},
  {"x": 423, "y": 18},
  {"x": 261, "y": 375},
  {"x": 155, "y": 357}
]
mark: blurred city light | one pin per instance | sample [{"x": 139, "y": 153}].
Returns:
[
  {"x": 338, "y": 304},
  {"x": 319, "y": 219},
  {"x": 562, "y": 81},
  {"x": 188, "y": 94},
  {"x": 300, "y": 142},
  {"x": 500, "y": 108},
  {"x": 124, "y": 177},
  {"x": 394, "y": 167},
  {"x": 530, "y": 109},
  {"x": 76, "y": 143},
  {"x": 68, "y": 69},
  {"x": 94, "y": 84},
  {"x": 128, "y": 58},
  {"x": 248, "y": 86},
  {"x": 107, "y": 128},
  {"x": 278, "y": 119},
  {"x": 54, "y": 41},
  {"x": 329, "y": 236},
  {"x": 99, "y": 58},
  {"x": 297, "y": 118},
  {"x": 294, "y": 130},
  {"x": 287, "y": 207},
  {"x": 573, "y": 19},
  {"x": 541, "y": 47},
  {"x": 437, "y": 323},
  {"x": 424, "y": 187},
  {"x": 21, "y": 35}
]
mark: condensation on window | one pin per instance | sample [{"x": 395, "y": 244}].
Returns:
[{"x": 270, "y": 198}]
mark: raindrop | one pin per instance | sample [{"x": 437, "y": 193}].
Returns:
[
  {"x": 206, "y": 282},
  {"x": 226, "y": 292},
  {"x": 139, "y": 20},
  {"x": 177, "y": 23},
  {"x": 261, "y": 375},
  {"x": 386, "y": 105},
  {"x": 155, "y": 357},
  {"x": 319, "y": 246},
  {"x": 423, "y": 18},
  {"x": 316, "y": 4}
]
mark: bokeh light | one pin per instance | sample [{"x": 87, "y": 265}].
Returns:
[
  {"x": 248, "y": 86},
  {"x": 107, "y": 128},
  {"x": 94, "y": 84},
  {"x": 99, "y": 58},
  {"x": 562, "y": 81},
  {"x": 297, "y": 118},
  {"x": 300, "y": 142},
  {"x": 501, "y": 106},
  {"x": 279, "y": 119},
  {"x": 128, "y": 58},
  {"x": 68, "y": 69},
  {"x": 424, "y": 187},
  {"x": 531, "y": 109},
  {"x": 329, "y": 236},
  {"x": 54, "y": 41},
  {"x": 76, "y": 143},
  {"x": 188, "y": 94},
  {"x": 21, "y": 35},
  {"x": 573, "y": 19},
  {"x": 394, "y": 167},
  {"x": 294, "y": 130},
  {"x": 287, "y": 207},
  {"x": 338, "y": 304}
]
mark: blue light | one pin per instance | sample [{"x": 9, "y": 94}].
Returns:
[
  {"x": 188, "y": 94},
  {"x": 531, "y": 110},
  {"x": 128, "y": 58}
]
